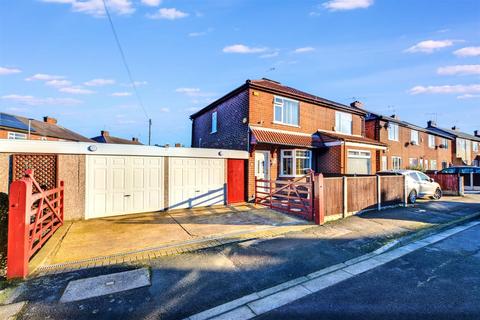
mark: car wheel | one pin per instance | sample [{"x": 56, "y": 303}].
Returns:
[
  {"x": 438, "y": 194},
  {"x": 412, "y": 197}
]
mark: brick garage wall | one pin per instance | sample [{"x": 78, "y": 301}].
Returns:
[
  {"x": 312, "y": 117},
  {"x": 4, "y": 172},
  {"x": 231, "y": 133},
  {"x": 71, "y": 170},
  {"x": 329, "y": 160}
]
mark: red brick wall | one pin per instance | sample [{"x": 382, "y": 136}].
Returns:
[
  {"x": 232, "y": 132},
  {"x": 329, "y": 160}
]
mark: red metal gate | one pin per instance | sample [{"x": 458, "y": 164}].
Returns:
[
  {"x": 293, "y": 197},
  {"x": 34, "y": 215}
]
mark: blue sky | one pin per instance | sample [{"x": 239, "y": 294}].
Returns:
[{"x": 410, "y": 57}]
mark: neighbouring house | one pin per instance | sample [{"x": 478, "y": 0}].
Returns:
[
  {"x": 105, "y": 137},
  {"x": 409, "y": 146},
  {"x": 465, "y": 149},
  {"x": 20, "y": 128},
  {"x": 286, "y": 132}
]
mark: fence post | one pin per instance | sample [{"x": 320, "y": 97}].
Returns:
[
  {"x": 18, "y": 228},
  {"x": 460, "y": 186},
  {"x": 379, "y": 194},
  {"x": 345, "y": 197},
  {"x": 319, "y": 206},
  {"x": 471, "y": 181},
  {"x": 405, "y": 191}
]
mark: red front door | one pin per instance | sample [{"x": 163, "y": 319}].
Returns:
[{"x": 235, "y": 181}]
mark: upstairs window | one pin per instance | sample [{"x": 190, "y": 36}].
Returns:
[
  {"x": 431, "y": 141},
  {"x": 475, "y": 147},
  {"x": 343, "y": 122},
  {"x": 444, "y": 143},
  {"x": 414, "y": 137},
  {"x": 214, "y": 122},
  {"x": 285, "y": 111},
  {"x": 393, "y": 132}
]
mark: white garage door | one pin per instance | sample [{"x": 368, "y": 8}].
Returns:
[
  {"x": 123, "y": 184},
  {"x": 196, "y": 182}
]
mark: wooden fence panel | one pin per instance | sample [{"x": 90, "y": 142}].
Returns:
[
  {"x": 362, "y": 193},
  {"x": 333, "y": 196},
  {"x": 392, "y": 190},
  {"x": 448, "y": 181}
]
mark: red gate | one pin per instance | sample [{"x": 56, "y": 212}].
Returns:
[
  {"x": 34, "y": 215},
  {"x": 294, "y": 196}
]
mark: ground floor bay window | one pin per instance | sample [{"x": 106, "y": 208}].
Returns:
[
  {"x": 359, "y": 162},
  {"x": 295, "y": 162}
]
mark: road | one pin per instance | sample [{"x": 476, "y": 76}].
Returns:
[{"x": 441, "y": 281}]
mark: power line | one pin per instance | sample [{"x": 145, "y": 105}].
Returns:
[{"x": 124, "y": 60}]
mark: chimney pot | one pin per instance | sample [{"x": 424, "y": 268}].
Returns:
[
  {"x": 48, "y": 119},
  {"x": 476, "y": 133},
  {"x": 431, "y": 123},
  {"x": 135, "y": 139},
  {"x": 178, "y": 145},
  {"x": 105, "y": 133},
  {"x": 394, "y": 116},
  {"x": 356, "y": 104},
  {"x": 455, "y": 128}
]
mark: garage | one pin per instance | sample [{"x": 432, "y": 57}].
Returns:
[
  {"x": 123, "y": 184},
  {"x": 196, "y": 182},
  {"x": 359, "y": 162}
]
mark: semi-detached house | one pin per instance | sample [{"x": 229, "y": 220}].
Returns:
[{"x": 287, "y": 131}]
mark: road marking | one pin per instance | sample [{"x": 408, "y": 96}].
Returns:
[
  {"x": 259, "y": 303},
  {"x": 105, "y": 284}
]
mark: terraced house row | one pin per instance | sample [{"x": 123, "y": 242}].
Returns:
[{"x": 287, "y": 131}]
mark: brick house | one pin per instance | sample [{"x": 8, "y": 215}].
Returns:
[
  {"x": 409, "y": 145},
  {"x": 21, "y": 128},
  {"x": 105, "y": 137},
  {"x": 286, "y": 132},
  {"x": 466, "y": 147}
]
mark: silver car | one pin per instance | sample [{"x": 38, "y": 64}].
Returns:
[{"x": 419, "y": 185}]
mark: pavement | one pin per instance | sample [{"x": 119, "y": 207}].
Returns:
[{"x": 186, "y": 284}]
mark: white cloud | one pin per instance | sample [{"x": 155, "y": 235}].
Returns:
[
  {"x": 193, "y": 109},
  {"x": 459, "y": 69},
  {"x": 58, "y": 83},
  {"x": 5, "y": 70},
  {"x": 304, "y": 50},
  {"x": 76, "y": 90},
  {"x": 429, "y": 46},
  {"x": 121, "y": 94},
  {"x": 468, "y": 52},
  {"x": 99, "y": 82},
  {"x": 96, "y": 7},
  {"x": 44, "y": 77},
  {"x": 168, "y": 14},
  {"x": 164, "y": 110},
  {"x": 446, "y": 89},
  {"x": 240, "y": 48},
  {"x": 152, "y": 3},
  {"x": 338, "y": 5},
  {"x": 36, "y": 101},
  {"x": 270, "y": 55},
  {"x": 468, "y": 96},
  {"x": 197, "y": 34},
  {"x": 193, "y": 92}
]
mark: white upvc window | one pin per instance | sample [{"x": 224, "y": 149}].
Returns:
[
  {"x": 433, "y": 164},
  {"x": 425, "y": 164},
  {"x": 413, "y": 162},
  {"x": 343, "y": 122},
  {"x": 444, "y": 142},
  {"x": 16, "y": 136},
  {"x": 475, "y": 146},
  {"x": 214, "y": 122},
  {"x": 431, "y": 141},
  {"x": 393, "y": 132},
  {"x": 414, "y": 137},
  {"x": 285, "y": 111},
  {"x": 295, "y": 162},
  {"x": 396, "y": 163}
]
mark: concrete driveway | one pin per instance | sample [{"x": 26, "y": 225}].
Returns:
[{"x": 92, "y": 239}]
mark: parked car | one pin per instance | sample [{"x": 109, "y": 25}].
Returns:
[
  {"x": 419, "y": 185},
  {"x": 460, "y": 169}
]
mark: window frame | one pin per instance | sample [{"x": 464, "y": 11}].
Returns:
[
  {"x": 410, "y": 162},
  {"x": 214, "y": 120},
  {"x": 362, "y": 154},
  {"x": 338, "y": 126},
  {"x": 432, "y": 166},
  {"x": 444, "y": 141},
  {"x": 11, "y": 135},
  {"x": 431, "y": 138},
  {"x": 396, "y": 132},
  {"x": 281, "y": 105},
  {"x": 399, "y": 162},
  {"x": 294, "y": 162},
  {"x": 475, "y": 146},
  {"x": 417, "y": 134}
]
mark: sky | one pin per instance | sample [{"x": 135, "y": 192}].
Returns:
[{"x": 419, "y": 59}]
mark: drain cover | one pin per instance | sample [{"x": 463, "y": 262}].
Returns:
[{"x": 105, "y": 284}]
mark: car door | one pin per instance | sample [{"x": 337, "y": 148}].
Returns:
[
  {"x": 413, "y": 182},
  {"x": 426, "y": 185}
]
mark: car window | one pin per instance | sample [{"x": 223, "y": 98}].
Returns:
[
  {"x": 414, "y": 176},
  {"x": 423, "y": 176}
]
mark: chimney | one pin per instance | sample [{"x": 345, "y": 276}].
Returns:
[
  {"x": 356, "y": 104},
  {"x": 104, "y": 133},
  {"x": 50, "y": 120},
  {"x": 178, "y": 145},
  {"x": 431, "y": 124},
  {"x": 476, "y": 133},
  {"x": 394, "y": 116},
  {"x": 455, "y": 128},
  {"x": 134, "y": 139}
]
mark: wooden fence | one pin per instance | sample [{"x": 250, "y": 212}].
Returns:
[
  {"x": 339, "y": 197},
  {"x": 451, "y": 183}
]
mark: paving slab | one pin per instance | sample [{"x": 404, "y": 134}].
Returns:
[{"x": 10, "y": 311}]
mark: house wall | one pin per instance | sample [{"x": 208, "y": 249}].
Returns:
[
  {"x": 329, "y": 160},
  {"x": 232, "y": 125},
  {"x": 375, "y": 129},
  {"x": 4, "y": 135},
  {"x": 312, "y": 117}
]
